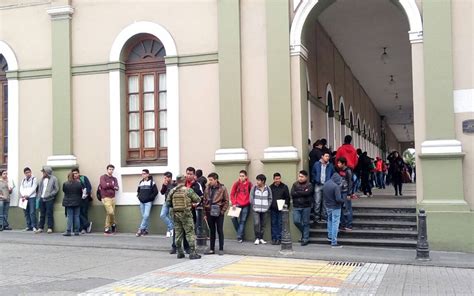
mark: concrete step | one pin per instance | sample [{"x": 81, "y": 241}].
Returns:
[
  {"x": 369, "y": 233},
  {"x": 382, "y": 209},
  {"x": 384, "y": 216},
  {"x": 375, "y": 224},
  {"x": 395, "y": 243}
]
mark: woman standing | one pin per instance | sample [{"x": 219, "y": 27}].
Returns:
[
  {"x": 72, "y": 202},
  {"x": 6, "y": 188},
  {"x": 216, "y": 203}
]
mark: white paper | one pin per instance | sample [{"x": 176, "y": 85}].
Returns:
[
  {"x": 280, "y": 203},
  {"x": 23, "y": 203},
  {"x": 234, "y": 212}
]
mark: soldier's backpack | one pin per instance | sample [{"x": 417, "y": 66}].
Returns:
[{"x": 179, "y": 199}]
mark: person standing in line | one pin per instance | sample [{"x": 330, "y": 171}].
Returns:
[
  {"x": 333, "y": 202},
  {"x": 379, "y": 168},
  {"x": 302, "y": 193},
  {"x": 397, "y": 166},
  {"x": 279, "y": 192},
  {"x": 348, "y": 152},
  {"x": 48, "y": 188},
  {"x": 108, "y": 186},
  {"x": 181, "y": 200},
  {"x": 346, "y": 192},
  {"x": 167, "y": 185},
  {"x": 72, "y": 202},
  {"x": 260, "y": 199},
  {"x": 315, "y": 154},
  {"x": 216, "y": 203},
  {"x": 146, "y": 194},
  {"x": 321, "y": 172},
  {"x": 28, "y": 192},
  {"x": 6, "y": 188},
  {"x": 240, "y": 198},
  {"x": 86, "y": 225},
  {"x": 365, "y": 174},
  {"x": 201, "y": 179},
  {"x": 195, "y": 186}
]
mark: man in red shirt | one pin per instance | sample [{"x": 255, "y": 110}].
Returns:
[
  {"x": 348, "y": 152},
  {"x": 240, "y": 197}
]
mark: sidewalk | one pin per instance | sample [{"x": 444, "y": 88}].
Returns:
[{"x": 232, "y": 247}]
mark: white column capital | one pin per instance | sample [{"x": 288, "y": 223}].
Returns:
[
  {"x": 61, "y": 161},
  {"x": 415, "y": 36},
  {"x": 281, "y": 152},
  {"x": 441, "y": 147},
  {"x": 60, "y": 12},
  {"x": 299, "y": 50},
  {"x": 231, "y": 154}
]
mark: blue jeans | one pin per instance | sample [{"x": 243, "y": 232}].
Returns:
[
  {"x": 6, "y": 207},
  {"x": 165, "y": 216},
  {"x": 145, "y": 209},
  {"x": 30, "y": 213},
  {"x": 319, "y": 208},
  {"x": 334, "y": 215},
  {"x": 346, "y": 215},
  {"x": 239, "y": 224},
  {"x": 73, "y": 220},
  {"x": 301, "y": 221},
  {"x": 276, "y": 224},
  {"x": 356, "y": 183},
  {"x": 380, "y": 180},
  {"x": 46, "y": 209}
]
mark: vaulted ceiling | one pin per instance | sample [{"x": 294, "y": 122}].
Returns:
[{"x": 360, "y": 29}]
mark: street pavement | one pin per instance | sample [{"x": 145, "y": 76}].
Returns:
[{"x": 123, "y": 264}]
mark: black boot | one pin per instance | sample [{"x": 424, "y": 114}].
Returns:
[{"x": 194, "y": 256}]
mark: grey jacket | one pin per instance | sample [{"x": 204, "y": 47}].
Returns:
[{"x": 52, "y": 188}]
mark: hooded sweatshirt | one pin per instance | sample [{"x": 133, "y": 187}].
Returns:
[
  {"x": 240, "y": 193},
  {"x": 332, "y": 192},
  {"x": 48, "y": 190},
  {"x": 349, "y": 152},
  {"x": 147, "y": 190}
]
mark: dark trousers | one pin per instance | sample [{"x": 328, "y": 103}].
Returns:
[
  {"x": 276, "y": 224},
  {"x": 84, "y": 214},
  {"x": 366, "y": 188},
  {"x": 259, "y": 224},
  {"x": 46, "y": 209},
  {"x": 216, "y": 223},
  {"x": 185, "y": 242},
  {"x": 30, "y": 213}
]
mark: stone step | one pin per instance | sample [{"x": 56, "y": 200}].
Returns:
[
  {"x": 382, "y": 209},
  {"x": 375, "y": 224},
  {"x": 369, "y": 233},
  {"x": 373, "y": 242},
  {"x": 384, "y": 216}
]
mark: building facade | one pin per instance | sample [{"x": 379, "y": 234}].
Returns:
[{"x": 223, "y": 85}]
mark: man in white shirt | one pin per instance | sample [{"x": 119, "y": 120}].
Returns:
[{"x": 28, "y": 192}]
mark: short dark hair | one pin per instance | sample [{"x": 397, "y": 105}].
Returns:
[
  {"x": 191, "y": 169},
  {"x": 214, "y": 176},
  {"x": 168, "y": 174},
  {"x": 325, "y": 152},
  {"x": 276, "y": 175},
  {"x": 323, "y": 142},
  {"x": 198, "y": 173},
  {"x": 359, "y": 151},
  {"x": 1, "y": 171},
  {"x": 317, "y": 143},
  {"x": 342, "y": 160},
  {"x": 111, "y": 166},
  {"x": 347, "y": 139},
  {"x": 304, "y": 173},
  {"x": 243, "y": 172},
  {"x": 27, "y": 169},
  {"x": 261, "y": 177},
  {"x": 76, "y": 169},
  {"x": 146, "y": 171}
]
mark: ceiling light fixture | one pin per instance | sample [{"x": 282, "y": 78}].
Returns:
[
  {"x": 384, "y": 57},
  {"x": 396, "y": 96},
  {"x": 391, "y": 81}
]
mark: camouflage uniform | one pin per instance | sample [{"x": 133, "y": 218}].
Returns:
[{"x": 180, "y": 199}]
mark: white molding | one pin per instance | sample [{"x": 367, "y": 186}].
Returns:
[
  {"x": 13, "y": 117},
  {"x": 56, "y": 161},
  {"x": 295, "y": 4},
  {"x": 305, "y": 6},
  {"x": 463, "y": 100},
  {"x": 60, "y": 12},
  {"x": 299, "y": 50},
  {"x": 281, "y": 152},
  {"x": 231, "y": 154},
  {"x": 172, "y": 84},
  {"x": 441, "y": 147}
]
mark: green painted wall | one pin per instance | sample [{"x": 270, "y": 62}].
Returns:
[
  {"x": 438, "y": 64},
  {"x": 61, "y": 74},
  {"x": 230, "y": 84},
  {"x": 278, "y": 72}
]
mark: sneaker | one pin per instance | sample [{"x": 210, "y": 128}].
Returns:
[
  {"x": 336, "y": 246},
  {"x": 76, "y": 233},
  {"x": 221, "y": 252},
  {"x": 168, "y": 233},
  {"x": 83, "y": 231},
  {"x": 209, "y": 252},
  {"x": 304, "y": 243},
  {"x": 262, "y": 242},
  {"x": 7, "y": 228},
  {"x": 274, "y": 242},
  {"x": 257, "y": 242},
  {"x": 35, "y": 229},
  {"x": 323, "y": 220},
  {"x": 363, "y": 195},
  {"x": 194, "y": 256},
  {"x": 348, "y": 228},
  {"x": 89, "y": 227},
  {"x": 328, "y": 239},
  {"x": 145, "y": 232},
  {"x": 180, "y": 256},
  {"x": 39, "y": 230},
  {"x": 139, "y": 233},
  {"x": 114, "y": 228},
  {"x": 240, "y": 240},
  {"x": 107, "y": 231},
  {"x": 66, "y": 234},
  {"x": 50, "y": 230},
  {"x": 173, "y": 251},
  {"x": 28, "y": 229},
  {"x": 278, "y": 242}
]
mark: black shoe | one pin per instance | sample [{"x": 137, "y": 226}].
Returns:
[
  {"x": 66, "y": 234},
  {"x": 173, "y": 251},
  {"x": 336, "y": 246},
  {"x": 114, "y": 228},
  {"x": 187, "y": 251},
  {"x": 304, "y": 243},
  {"x": 278, "y": 242},
  {"x": 209, "y": 252},
  {"x": 194, "y": 256},
  {"x": 7, "y": 228},
  {"x": 76, "y": 233},
  {"x": 107, "y": 231},
  {"x": 300, "y": 240},
  {"x": 274, "y": 242},
  {"x": 180, "y": 256}
]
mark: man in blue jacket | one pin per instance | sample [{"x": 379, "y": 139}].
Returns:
[
  {"x": 333, "y": 201},
  {"x": 321, "y": 172}
]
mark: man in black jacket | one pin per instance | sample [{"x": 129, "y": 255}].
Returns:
[
  {"x": 146, "y": 194},
  {"x": 333, "y": 201},
  {"x": 279, "y": 192},
  {"x": 302, "y": 195}
]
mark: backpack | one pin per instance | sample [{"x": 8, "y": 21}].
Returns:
[{"x": 98, "y": 194}]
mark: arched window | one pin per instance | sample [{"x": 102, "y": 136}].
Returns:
[
  {"x": 3, "y": 112},
  {"x": 146, "y": 103}
]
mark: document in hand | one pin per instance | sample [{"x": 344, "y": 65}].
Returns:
[
  {"x": 234, "y": 212},
  {"x": 280, "y": 203},
  {"x": 23, "y": 203}
]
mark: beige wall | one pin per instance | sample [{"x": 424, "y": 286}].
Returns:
[
  {"x": 463, "y": 43},
  {"x": 35, "y": 124},
  {"x": 30, "y": 41},
  {"x": 468, "y": 161},
  {"x": 95, "y": 25}
]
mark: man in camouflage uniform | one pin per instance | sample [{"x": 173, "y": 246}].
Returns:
[{"x": 180, "y": 199}]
